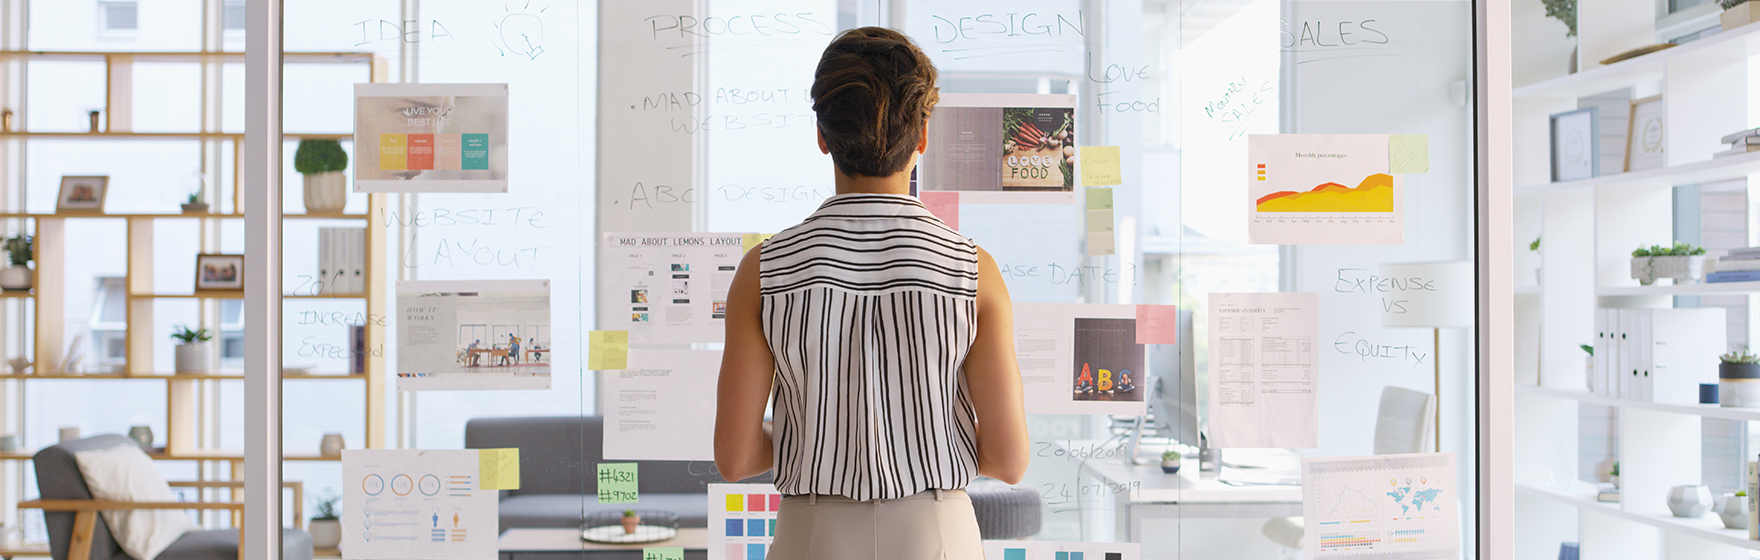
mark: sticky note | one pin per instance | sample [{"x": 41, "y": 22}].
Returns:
[
  {"x": 1408, "y": 153},
  {"x": 663, "y": 553},
  {"x": 1014, "y": 554},
  {"x": 943, "y": 204},
  {"x": 754, "y": 527},
  {"x": 1157, "y": 324},
  {"x": 754, "y": 550},
  {"x": 1099, "y": 221},
  {"x": 736, "y": 551},
  {"x": 736, "y": 528},
  {"x": 1100, "y": 199},
  {"x": 1100, "y": 166},
  {"x": 1100, "y": 244},
  {"x": 617, "y": 483},
  {"x": 750, "y": 240},
  {"x": 608, "y": 350},
  {"x": 498, "y": 469},
  {"x": 755, "y": 502},
  {"x": 776, "y": 502},
  {"x": 736, "y": 502}
]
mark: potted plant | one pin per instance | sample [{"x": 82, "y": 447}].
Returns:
[
  {"x": 1737, "y": 13},
  {"x": 326, "y": 528},
  {"x": 1565, "y": 11},
  {"x": 1683, "y": 262},
  {"x": 1539, "y": 272},
  {"x": 322, "y": 162},
  {"x": 1170, "y": 462},
  {"x": 1735, "y": 510},
  {"x": 1738, "y": 378},
  {"x": 630, "y": 521},
  {"x": 1616, "y": 474},
  {"x": 19, "y": 252},
  {"x": 1589, "y": 365},
  {"x": 192, "y": 349},
  {"x": 195, "y": 204}
]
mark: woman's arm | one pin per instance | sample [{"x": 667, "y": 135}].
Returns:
[
  {"x": 742, "y": 448},
  {"x": 995, "y": 380}
]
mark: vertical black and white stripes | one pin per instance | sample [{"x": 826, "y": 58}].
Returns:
[{"x": 869, "y": 307}]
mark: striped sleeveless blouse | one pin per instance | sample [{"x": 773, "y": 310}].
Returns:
[{"x": 869, "y": 307}]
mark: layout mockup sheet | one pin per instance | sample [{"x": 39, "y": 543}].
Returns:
[
  {"x": 408, "y": 504},
  {"x": 430, "y": 138},
  {"x": 1060, "y": 550},
  {"x": 1001, "y": 142},
  {"x": 1080, "y": 358},
  {"x": 665, "y": 396},
  {"x": 1264, "y": 370},
  {"x": 1322, "y": 189},
  {"x": 1396, "y": 507},
  {"x": 667, "y": 287},
  {"x": 473, "y": 335},
  {"x": 742, "y": 520}
]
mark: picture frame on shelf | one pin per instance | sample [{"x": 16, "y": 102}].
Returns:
[
  {"x": 1576, "y": 144},
  {"x": 219, "y": 272},
  {"x": 82, "y": 193},
  {"x": 1646, "y": 134}
]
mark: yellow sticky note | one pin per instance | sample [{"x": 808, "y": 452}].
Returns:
[
  {"x": 750, "y": 240},
  {"x": 1408, "y": 153},
  {"x": 617, "y": 483},
  {"x": 608, "y": 350},
  {"x": 498, "y": 469},
  {"x": 736, "y": 502},
  {"x": 663, "y": 553},
  {"x": 1100, "y": 166},
  {"x": 1100, "y": 199}
]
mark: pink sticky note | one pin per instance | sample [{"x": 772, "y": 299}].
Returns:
[
  {"x": 943, "y": 204},
  {"x": 1157, "y": 324},
  {"x": 755, "y": 502},
  {"x": 776, "y": 502},
  {"x": 736, "y": 551}
]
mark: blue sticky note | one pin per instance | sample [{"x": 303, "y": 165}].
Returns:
[
  {"x": 1014, "y": 554},
  {"x": 754, "y": 527},
  {"x": 772, "y": 527},
  {"x": 735, "y": 528},
  {"x": 755, "y": 550},
  {"x": 1061, "y": 555}
]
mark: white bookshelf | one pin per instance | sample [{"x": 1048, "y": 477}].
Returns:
[
  {"x": 1700, "y": 289},
  {"x": 1702, "y": 410},
  {"x": 1709, "y": 527},
  {"x": 1738, "y": 43},
  {"x": 1707, "y": 171}
]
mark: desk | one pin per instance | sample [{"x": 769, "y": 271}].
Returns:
[
  {"x": 1190, "y": 494},
  {"x": 557, "y": 544}
]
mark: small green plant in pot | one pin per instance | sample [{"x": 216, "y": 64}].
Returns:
[
  {"x": 195, "y": 203},
  {"x": 630, "y": 521},
  {"x": 1737, "y": 13},
  {"x": 193, "y": 350},
  {"x": 1539, "y": 271},
  {"x": 1738, "y": 379},
  {"x": 20, "y": 250},
  {"x": 326, "y": 527},
  {"x": 322, "y": 162},
  {"x": 1682, "y": 262},
  {"x": 1588, "y": 366},
  {"x": 1170, "y": 462}
]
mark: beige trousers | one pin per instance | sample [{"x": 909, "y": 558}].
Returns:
[{"x": 928, "y": 525}]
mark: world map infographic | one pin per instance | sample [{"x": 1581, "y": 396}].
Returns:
[{"x": 1398, "y": 507}]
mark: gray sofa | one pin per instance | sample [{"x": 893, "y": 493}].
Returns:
[
  {"x": 58, "y": 478},
  {"x": 558, "y": 457}
]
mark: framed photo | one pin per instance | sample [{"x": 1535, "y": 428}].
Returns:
[
  {"x": 219, "y": 272},
  {"x": 1576, "y": 146},
  {"x": 82, "y": 193},
  {"x": 1645, "y": 135}
]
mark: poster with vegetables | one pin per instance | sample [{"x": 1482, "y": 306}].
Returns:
[
  {"x": 1013, "y": 143},
  {"x": 1039, "y": 148}
]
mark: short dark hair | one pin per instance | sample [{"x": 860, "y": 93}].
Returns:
[{"x": 873, "y": 92}]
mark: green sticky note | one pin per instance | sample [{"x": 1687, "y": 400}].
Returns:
[
  {"x": 1099, "y": 221},
  {"x": 617, "y": 483},
  {"x": 607, "y": 350},
  {"x": 1099, "y": 199},
  {"x": 663, "y": 553},
  {"x": 1408, "y": 153},
  {"x": 1100, "y": 166},
  {"x": 498, "y": 469}
]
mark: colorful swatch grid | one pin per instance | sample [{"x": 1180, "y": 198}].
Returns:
[
  {"x": 742, "y": 520},
  {"x": 446, "y": 152},
  {"x": 1055, "y": 550}
]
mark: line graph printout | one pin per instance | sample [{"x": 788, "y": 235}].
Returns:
[
  {"x": 1395, "y": 507},
  {"x": 1264, "y": 376},
  {"x": 1322, "y": 189}
]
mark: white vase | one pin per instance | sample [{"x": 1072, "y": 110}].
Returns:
[
  {"x": 193, "y": 357},
  {"x": 326, "y": 193},
  {"x": 1589, "y": 371},
  {"x": 331, "y": 445},
  {"x": 1734, "y": 512},
  {"x": 15, "y": 277},
  {"x": 1689, "y": 500},
  {"x": 326, "y": 533}
]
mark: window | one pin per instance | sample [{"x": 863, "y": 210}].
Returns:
[
  {"x": 231, "y": 334},
  {"x": 118, "y": 16},
  {"x": 232, "y": 18},
  {"x": 109, "y": 321}
]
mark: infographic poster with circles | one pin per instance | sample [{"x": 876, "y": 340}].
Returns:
[
  {"x": 407, "y": 503},
  {"x": 1401, "y": 507}
]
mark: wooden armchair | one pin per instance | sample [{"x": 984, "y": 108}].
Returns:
[{"x": 77, "y": 532}]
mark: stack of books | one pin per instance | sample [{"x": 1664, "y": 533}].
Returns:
[
  {"x": 1740, "y": 265},
  {"x": 1606, "y": 492},
  {"x": 1741, "y": 143}
]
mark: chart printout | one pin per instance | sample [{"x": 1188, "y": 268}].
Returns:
[
  {"x": 408, "y": 503},
  {"x": 1387, "y": 507},
  {"x": 1322, "y": 189},
  {"x": 1264, "y": 371},
  {"x": 667, "y": 287}
]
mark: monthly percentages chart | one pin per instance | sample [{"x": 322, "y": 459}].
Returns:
[{"x": 1396, "y": 507}]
